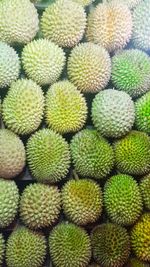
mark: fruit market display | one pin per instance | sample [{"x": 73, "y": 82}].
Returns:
[{"x": 74, "y": 133}]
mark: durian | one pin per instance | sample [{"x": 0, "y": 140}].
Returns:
[
  {"x": 110, "y": 25},
  {"x": 141, "y": 22},
  {"x": 9, "y": 201},
  {"x": 142, "y": 113},
  {"x": 69, "y": 246},
  {"x": 110, "y": 245},
  {"x": 92, "y": 155},
  {"x": 145, "y": 190},
  {"x": 122, "y": 199},
  {"x": 66, "y": 108},
  {"x": 23, "y": 107},
  {"x": 12, "y": 154},
  {"x": 9, "y": 65},
  {"x": 64, "y": 22},
  {"x": 113, "y": 113},
  {"x": 25, "y": 248},
  {"x": 43, "y": 61},
  {"x": 132, "y": 153},
  {"x": 89, "y": 67},
  {"x": 140, "y": 238},
  {"x": 131, "y": 72},
  {"x": 82, "y": 201},
  {"x": 48, "y": 156},
  {"x": 94, "y": 265},
  {"x": 40, "y": 205},
  {"x": 18, "y": 21},
  {"x": 2, "y": 249}
]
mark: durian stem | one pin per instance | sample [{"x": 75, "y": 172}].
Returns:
[{"x": 75, "y": 175}]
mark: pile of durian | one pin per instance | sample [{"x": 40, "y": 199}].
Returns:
[{"x": 75, "y": 133}]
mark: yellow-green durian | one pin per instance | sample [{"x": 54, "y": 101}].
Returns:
[
  {"x": 40, "y": 205},
  {"x": 25, "y": 248},
  {"x": 66, "y": 108},
  {"x": 82, "y": 201},
  {"x": 43, "y": 61},
  {"x": 64, "y": 22},
  {"x": 140, "y": 238},
  {"x": 23, "y": 107},
  {"x": 89, "y": 67},
  {"x": 110, "y": 245},
  {"x": 132, "y": 153},
  {"x": 69, "y": 246},
  {"x": 92, "y": 155},
  {"x": 48, "y": 156}
]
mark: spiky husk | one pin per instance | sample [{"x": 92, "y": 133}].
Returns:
[
  {"x": 110, "y": 245},
  {"x": 12, "y": 154},
  {"x": 122, "y": 199},
  {"x": 132, "y": 153},
  {"x": 25, "y": 248},
  {"x": 43, "y": 61},
  {"x": 89, "y": 67},
  {"x": 40, "y": 205},
  {"x": 92, "y": 155},
  {"x": 18, "y": 21},
  {"x": 113, "y": 113},
  {"x": 140, "y": 238},
  {"x": 82, "y": 201},
  {"x": 23, "y": 107},
  {"x": 48, "y": 156},
  {"x": 69, "y": 246},
  {"x": 64, "y": 22}
]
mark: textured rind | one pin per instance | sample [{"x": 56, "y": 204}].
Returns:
[
  {"x": 92, "y": 155},
  {"x": 82, "y": 201},
  {"x": 69, "y": 246},
  {"x": 10, "y": 65},
  {"x": 134, "y": 262},
  {"x": 140, "y": 238},
  {"x": 131, "y": 72},
  {"x": 12, "y": 154},
  {"x": 48, "y": 156},
  {"x": 84, "y": 2},
  {"x": 110, "y": 25},
  {"x": 2, "y": 249},
  {"x": 18, "y": 21},
  {"x": 64, "y": 23},
  {"x": 113, "y": 113},
  {"x": 25, "y": 248},
  {"x": 9, "y": 201},
  {"x": 23, "y": 107},
  {"x": 132, "y": 153},
  {"x": 130, "y": 3},
  {"x": 145, "y": 190},
  {"x": 110, "y": 245},
  {"x": 66, "y": 108},
  {"x": 40, "y": 205},
  {"x": 142, "y": 113},
  {"x": 141, "y": 16},
  {"x": 122, "y": 199},
  {"x": 89, "y": 67},
  {"x": 43, "y": 61}
]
